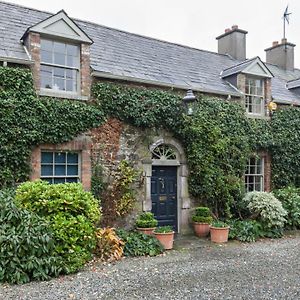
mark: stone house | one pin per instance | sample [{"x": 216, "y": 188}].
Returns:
[{"x": 66, "y": 55}]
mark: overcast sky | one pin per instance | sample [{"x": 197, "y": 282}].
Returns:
[{"x": 194, "y": 23}]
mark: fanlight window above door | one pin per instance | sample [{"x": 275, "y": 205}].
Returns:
[{"x": 164, "y": 152}]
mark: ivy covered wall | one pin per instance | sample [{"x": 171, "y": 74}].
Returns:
[{"x": 218, "y": 138}]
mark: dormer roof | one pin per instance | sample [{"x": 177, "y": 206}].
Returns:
[
  {"x": 253, "y": 66},
  {"x": 60, "y": 25}
]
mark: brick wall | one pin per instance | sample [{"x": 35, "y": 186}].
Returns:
[
  {"x": 81, "y": 144},
  {"x": 34, "y": 47}
]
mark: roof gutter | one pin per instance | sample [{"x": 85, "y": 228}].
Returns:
[
  {"x": 161, "y": 84},
  {"x": 16, "y": 60}
]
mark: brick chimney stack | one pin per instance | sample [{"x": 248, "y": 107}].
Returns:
[
  {"x": 281, "y": 54},
  {"x": 233, "y": 42}
]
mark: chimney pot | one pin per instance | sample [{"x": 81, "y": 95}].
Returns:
[
  {"x": 227, "y": 30},
  {"x": 233, "y": 27},
  {"x": 283, "y": 41},
  {"x": 275, "y": 43}
]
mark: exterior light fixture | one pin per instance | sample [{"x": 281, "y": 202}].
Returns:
[
  {"x": 189, "y": 101},
  {"x": 272, "y": 106}
]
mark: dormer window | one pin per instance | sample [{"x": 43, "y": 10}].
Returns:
[
  {"x": 254, "y": 96},
  {"x": 60, "y": 64}
]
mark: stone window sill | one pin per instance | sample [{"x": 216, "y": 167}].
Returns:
[{"x": 61, "y": 94}]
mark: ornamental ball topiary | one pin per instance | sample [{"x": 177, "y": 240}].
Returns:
[
  {"x": 202, "y": 215},
  {"x": 146, "y": 220},
  {"x": 265, "y": 208}
]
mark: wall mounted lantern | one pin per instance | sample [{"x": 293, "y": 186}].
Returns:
[{"x": 189, "y": 101}]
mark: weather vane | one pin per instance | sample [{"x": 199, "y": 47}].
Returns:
[{"x": 286, "y": 18}]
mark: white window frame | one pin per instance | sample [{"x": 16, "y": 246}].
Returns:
[
  {"x": 250, "y": 98},
  {"x": 53, "y": 164},
  {"x": 58, "y": 92},
  {"x": 256, "y": 177}
]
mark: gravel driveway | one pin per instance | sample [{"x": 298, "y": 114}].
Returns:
[{"x": 268, "y": 269}]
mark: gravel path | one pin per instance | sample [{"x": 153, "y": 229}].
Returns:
[{"x": 269, "y": 269}]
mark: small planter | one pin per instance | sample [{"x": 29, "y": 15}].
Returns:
[
  {"x": 166, "y": 239},
  {"x": 219, "y": 234},
  {"x": 148, "y": 231},
  {"x": 201, "y": 229}
]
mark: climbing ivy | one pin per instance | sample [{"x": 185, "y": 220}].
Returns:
[
  {"x": 27, "y": 120},
  {"x": 218, "y": 138}
]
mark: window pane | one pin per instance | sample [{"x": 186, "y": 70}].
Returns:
[
  {"x": 59, "y": 47},
  {"x": 72, "y": 61},
  {"x": 60, "y": 157},
  {"x": 46, "y": 82},
  {"x": 59, "y": 72},
  {"x": 59, "y": 84},
  {"x": 47, "y": 71},
  {"x": 59, "y": 59},
  {"x": 72, "y": 158},
  {"x": 50, "y": 180},
  {"x": 47, "y": 170},
  {"x": 72, "y": 50},
  {"x": 47, "y": 157},
  {"x": 46, "y": 56},
  {"x": 70, "y": 74},
  {"x": 59, "y": 180},
  {"x": 72, "y": 170},
  {"x": 71, "y": 85},
  {"x": 72, "y": 179},
  {"x": 46, "y": 45},
  {"x": 60, "y": 170}
]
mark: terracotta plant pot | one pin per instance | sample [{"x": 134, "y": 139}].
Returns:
[
  {"x": 219, "y": 234},
  {"x": 166, "y": 239},
  {"x": 148, "y": 231},
  {"x": 201, "y": 229}
]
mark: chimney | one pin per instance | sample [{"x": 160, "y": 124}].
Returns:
[
  {"x": 281, "y": 55},
  {"x": 233, "y": 42}
]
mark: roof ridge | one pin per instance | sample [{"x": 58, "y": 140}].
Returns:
[{"x": 122, "y": 31}]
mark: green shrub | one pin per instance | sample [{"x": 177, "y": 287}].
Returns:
[
  {"x": 245, "y": 230},
  {"x": 265, "y": 208},
  {"x": 146, "y": 220},
  {"x": 202, "y": 215},
  {"x": 27, "y": 249},
  {"x": 71, "y": 213},
  {"x": 139, "y": 244},
  {"x": 164, "y": 229},
  {"x": 219, "y": 224},
  {"x": 290, "y": 199}
]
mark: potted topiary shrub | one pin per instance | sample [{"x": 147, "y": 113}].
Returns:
[
  {"x": 219, "y": 232},
  {"x": 165, "y": 234},
  {"x": 146, "y": 223},
  {"x": 202, "y": 219}
]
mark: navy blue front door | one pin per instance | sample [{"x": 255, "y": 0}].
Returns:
[{"x": 164, "y": 195}]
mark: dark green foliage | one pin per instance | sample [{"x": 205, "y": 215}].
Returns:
[
  {"x": 290, "y": 199},
  {"x": 164, "y": 229},
  {"x": 286, "y": 150},
  {"x": 146, "y": 220},
  {"x": 218, "y": 146},
  {"x": 27, "y": 250},
  {"x": 202, "y": 215},
  {"x": 26, "y": 121},
  {"x": 139, "y": 244},
  {"x": 219, "y": 224},
  {"x": 141, "y": 107},
  {"x": 245, "y": 230},
  {"x": 71, "y": 213}
]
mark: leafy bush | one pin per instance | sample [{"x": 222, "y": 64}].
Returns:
[
  {"x": 219, "y": 224},
  {"x": 71, "y": 213},
  {"x": 146, "y": 220},
  {"x": 109, "y": 245},
  {"x": 202, "y": 215},
  {"x": 245, "y": 230},
  {"x": 290, "y": 199},
  {"x": 265, "y": 208},
  {"x": 27, "y": 249},
  {"x": 139, "y": 244},
  {"x": 164, "y": 229}
]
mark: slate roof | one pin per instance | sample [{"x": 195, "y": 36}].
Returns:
[{"x": 124, "y": 54}]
